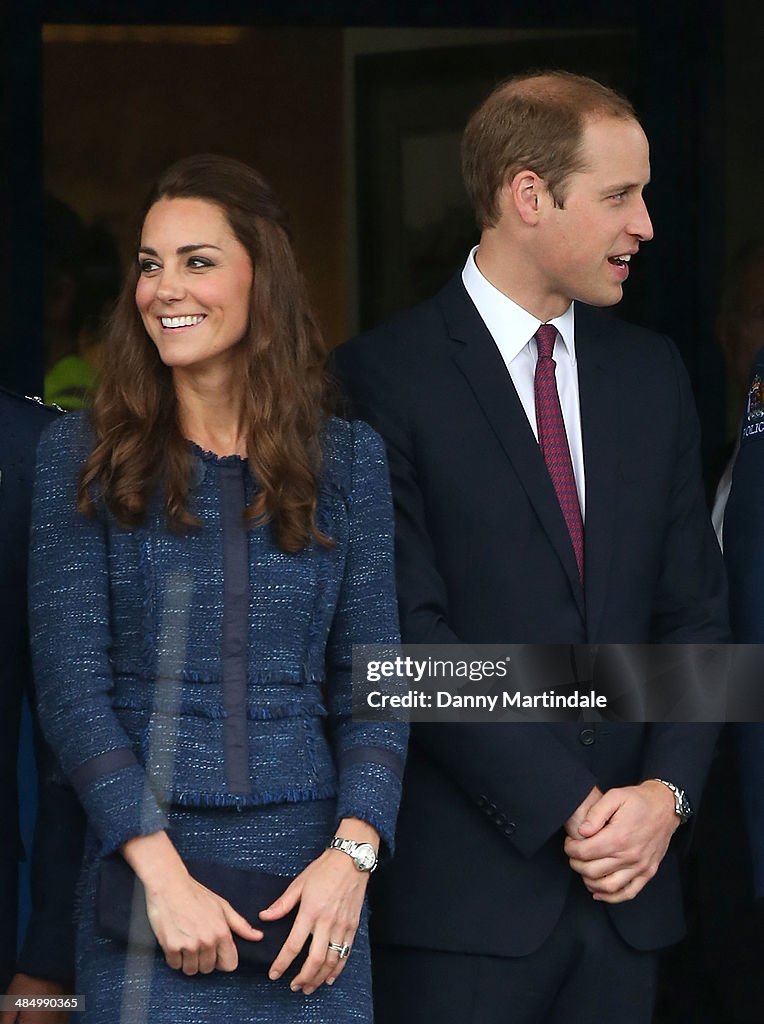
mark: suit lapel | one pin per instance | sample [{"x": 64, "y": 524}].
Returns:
[
  {"x": 478, "y": 358},
  {"x": 599, "y": 424}
]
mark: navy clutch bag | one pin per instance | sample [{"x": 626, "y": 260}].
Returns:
[{"x": 121, "y": 907}]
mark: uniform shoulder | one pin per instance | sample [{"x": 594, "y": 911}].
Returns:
[
  {"x": 22, "y": 414},
  {"x": 27, "y": 405}
]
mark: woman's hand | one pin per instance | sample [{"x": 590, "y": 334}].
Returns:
[
  {"x": 330, "y": 892},
  {"x": 192, "y": 924}
]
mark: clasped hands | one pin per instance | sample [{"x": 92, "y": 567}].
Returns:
[
  {"x": 616, "y": 840},
  {"x": 195, "y": 927}
]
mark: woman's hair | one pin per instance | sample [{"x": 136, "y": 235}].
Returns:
[{"x": 139, "y": 445}]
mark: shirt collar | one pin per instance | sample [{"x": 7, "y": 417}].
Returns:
[{"x": 511, "y": 326}]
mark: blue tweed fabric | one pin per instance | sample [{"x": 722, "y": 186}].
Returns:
[{"x": 154, "y": 702}]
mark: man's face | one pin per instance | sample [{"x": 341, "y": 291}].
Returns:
[{"x": 585, "y": 246}]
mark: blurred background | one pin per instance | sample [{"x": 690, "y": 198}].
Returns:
[{"x": 354, "y": 113}]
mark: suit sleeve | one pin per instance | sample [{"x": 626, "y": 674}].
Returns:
[
  {"x": 71, "y": 639},
  {"x": 48, "y": 944},
  {"x": 540, "y": 783},
  {"x": 370, "y": 756},
  {"x": 744, "y": 555},
  {"x": 691, "y": 598},
  {"x": 48, "y": 947}
]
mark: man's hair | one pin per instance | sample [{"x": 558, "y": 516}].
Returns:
[{"x": 534, "y": 121}]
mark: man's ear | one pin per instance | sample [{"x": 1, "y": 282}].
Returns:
[{"x": 524, "y": 193}]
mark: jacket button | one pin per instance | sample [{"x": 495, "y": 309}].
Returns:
[
  {"x": 586, "y": 736},
  {"x": 499, "y": 819},
  {"x": 509, "y": 828},
  {"x": 482, "y": 802}
]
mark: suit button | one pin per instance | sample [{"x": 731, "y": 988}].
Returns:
[
  {"x": 586, "y": 736},
  {"x": 500, "y": 819},
  {"x": 509, "y": 828},
  {"x": 482, "y": 802}
]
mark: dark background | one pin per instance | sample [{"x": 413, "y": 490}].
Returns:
[{"x": 692, "y": 68}]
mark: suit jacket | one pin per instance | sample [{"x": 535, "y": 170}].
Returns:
[
  {"x": 744, "y": 555},
  {"x": 49, "y": 944},
  {"x": 483, "y": 555},
  {"x": 244, "y": 649}
]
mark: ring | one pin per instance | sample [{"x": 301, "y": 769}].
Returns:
[{"x": 344, "y": 951}]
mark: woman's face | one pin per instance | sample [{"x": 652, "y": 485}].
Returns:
[{"x": 194, "y": 287}]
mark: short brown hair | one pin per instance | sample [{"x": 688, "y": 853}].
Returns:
[{"x": 533, "y": 121}]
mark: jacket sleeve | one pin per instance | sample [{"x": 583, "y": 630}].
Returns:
[
  {"x": 71, "y": 638},
  {"x": 370, "y": 756},
  {"x": 521, "y": 771}
]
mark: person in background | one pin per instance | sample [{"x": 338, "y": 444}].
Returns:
[
  {"x": 45, "y": 964},
  {"x": 546, "y": 476},
  {"x": 208, "y": 543},
  {"x": 740, "y": 333}
]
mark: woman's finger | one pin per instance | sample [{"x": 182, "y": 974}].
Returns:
[
  {"x": 337, "y": 968},
  {"x": 190, "y": 962},
  {"x": 285, "y": 902},
  {"x": 239, "y": 924},
  {"x": 315, "y": 961},
  {"x": 292, "y": 946},
  {"x": 207, "y": 957}
]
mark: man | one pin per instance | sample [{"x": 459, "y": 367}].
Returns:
[
  {"x": 540, "y": 500},
  {"x": 45, "y": 966}
]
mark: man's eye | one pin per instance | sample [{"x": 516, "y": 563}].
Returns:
[
  {"x": 618, "y": 196},
  {"x": 147, "y": 266}
]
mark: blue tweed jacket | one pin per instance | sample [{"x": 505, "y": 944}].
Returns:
[{"x": 213, "y": 668}]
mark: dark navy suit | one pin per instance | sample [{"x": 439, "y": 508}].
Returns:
[
  {"x": 483, "y": 555},
  {"x": 48, "y": 949},
  {"x": 744, "y": 554}
]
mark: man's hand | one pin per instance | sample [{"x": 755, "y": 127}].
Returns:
[
  {"x": 581, "y": 813},
  {"x": 625, "y": 835},
  {"x": 22, "y": 985}
]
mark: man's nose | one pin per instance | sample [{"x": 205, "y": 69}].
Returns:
[{"x": 641, "y": 225}]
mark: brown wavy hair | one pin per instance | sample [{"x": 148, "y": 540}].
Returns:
[{"x": 139, "y": 444}]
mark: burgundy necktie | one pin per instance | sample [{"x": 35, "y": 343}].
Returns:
[{"x": 553, "y": 440}]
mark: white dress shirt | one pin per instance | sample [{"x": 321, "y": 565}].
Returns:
[{"x": 513, "y": 329}]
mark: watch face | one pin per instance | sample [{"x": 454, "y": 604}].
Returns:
[{"x": 364, "y": 857}]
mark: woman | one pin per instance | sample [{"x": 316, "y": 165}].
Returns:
[{"x": 208, "y": 544}]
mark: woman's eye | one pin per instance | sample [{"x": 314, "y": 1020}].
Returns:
[
  {"x": 146, "y": 266},
  {"x": 197, "y": 262}
]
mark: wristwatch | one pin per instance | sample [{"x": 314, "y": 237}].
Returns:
[
  {"x": 682, "y": 805},
  {"x": 364, "y": 857}
]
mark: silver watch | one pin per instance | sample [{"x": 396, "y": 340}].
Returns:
[
  {"x": 682, "y": 805},
  {"x": 364, "y": 857}
]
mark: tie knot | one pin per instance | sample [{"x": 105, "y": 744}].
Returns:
[{"x": 546, "y": 336}]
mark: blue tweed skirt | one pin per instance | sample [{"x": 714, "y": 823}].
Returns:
[{"x": 139, "y": 987}]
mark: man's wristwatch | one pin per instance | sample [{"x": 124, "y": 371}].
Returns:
[
  {"x": 364, "y": 857},
  {"x": 682, "y": 805}
]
